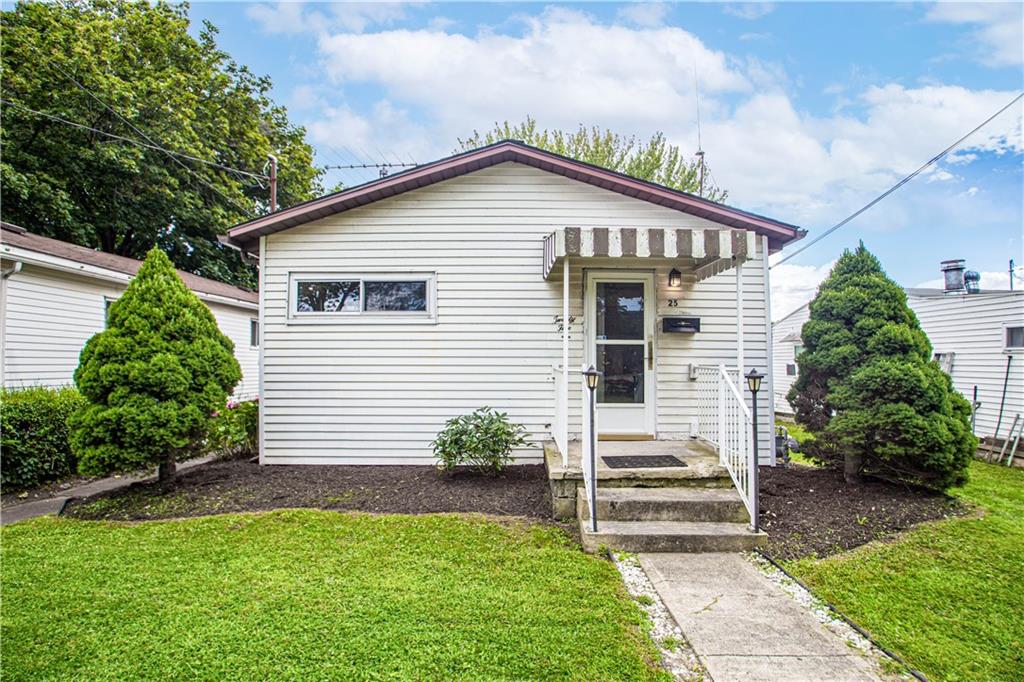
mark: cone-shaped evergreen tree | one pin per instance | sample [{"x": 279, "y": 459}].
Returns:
[
  {"x": 152, "y": 378},
  {"x": 867, "y": 387}
]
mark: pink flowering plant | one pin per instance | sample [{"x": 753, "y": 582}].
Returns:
[{"x": 236, "y": 428}]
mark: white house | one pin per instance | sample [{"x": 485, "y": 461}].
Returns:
[
  {"x": 977, "y": 337},
  {"x": 54, "y": 296},
  {"x": 393, "y": 306}
]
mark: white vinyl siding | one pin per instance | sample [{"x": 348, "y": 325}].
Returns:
[
  {"x": 972, "y": 327},
  {"x": 784, "y": 354},
  {"x": 49, "y": 315},
  {"x": 379, "y": 393}
]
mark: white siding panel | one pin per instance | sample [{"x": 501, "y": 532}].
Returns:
[
  {"x": 358, "y": 393},
  {"x": 49, "y": 315},
  {"x": 972, "y": 327}
]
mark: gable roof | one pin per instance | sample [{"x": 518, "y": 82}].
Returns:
[
  {"x": 245, "y": 235},
  {"x": 21, "y": 238}
]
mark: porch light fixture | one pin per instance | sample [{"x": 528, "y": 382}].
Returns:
[
  {"x": 754, "y": 384},
  {"x": 675, "y": 278},
  {"x": 592, "y": 376},
  {"x": 754, "y": 381}
]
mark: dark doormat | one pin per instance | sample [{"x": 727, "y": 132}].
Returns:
[{"x": 643, "y": 461}]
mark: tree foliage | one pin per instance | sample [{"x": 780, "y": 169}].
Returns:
[
  {"x": 867, "y": 387},
  {"x": 181, "y": 91},
  {"x": 655, "y": 160},
  {"x": 154, "y": 378}
]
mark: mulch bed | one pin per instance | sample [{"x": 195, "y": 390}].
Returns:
[
  {"x": 812, "y": 511},
  {"x": 240, "y": 486}
]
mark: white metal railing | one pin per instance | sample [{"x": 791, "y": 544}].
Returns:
[
  {"x": 725, "y": 420},
  {"x": 560, "y": 424},
  {"x": 588, "y": 453}
]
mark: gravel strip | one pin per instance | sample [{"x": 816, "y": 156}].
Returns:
[
  {"x": 828, "y": 618},
  {"x": 677, "y": 656}
]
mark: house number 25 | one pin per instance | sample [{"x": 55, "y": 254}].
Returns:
[{"x": 673, "y": 303}]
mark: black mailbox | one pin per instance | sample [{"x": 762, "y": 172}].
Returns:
[{"x": 680, "y": 325}]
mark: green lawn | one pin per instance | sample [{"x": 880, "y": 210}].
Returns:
[
  {"x": 800, "y": 434},
  {"x": 309, "y": 595},
  {"x": 947, "y": 596}
]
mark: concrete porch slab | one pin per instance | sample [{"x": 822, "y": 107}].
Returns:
[{"x": 700, "y": 458}]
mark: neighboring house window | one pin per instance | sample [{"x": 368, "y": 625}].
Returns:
[
  {"x": 1014, "y": 338},
  {"x": 254, "y": 333},
  {"x": 370, "y": 296},
  {"x": 798, "y": 348},
  {"x": 945, "y": 361},
  {"x": 791, "y": 370},
  {"x": 106, "y": 310}
]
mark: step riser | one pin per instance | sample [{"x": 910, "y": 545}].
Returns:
[
  {"x": 636, "y": 510},
  {"x": 670, "y": 543},
  {"x": 713, "y": 482}
]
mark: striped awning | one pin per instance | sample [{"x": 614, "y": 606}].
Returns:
[{"x": 712, "y": 250}]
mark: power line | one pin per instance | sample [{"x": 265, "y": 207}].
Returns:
[
  {"x": 131, "y": 140},
  {"x": 150, "y": 140},
  {"x": 899, "y": 184}
]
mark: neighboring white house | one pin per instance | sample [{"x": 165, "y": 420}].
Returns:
[
  {"x": 391, "y": 307},
  {"x": 54, "y": 296},
  {"x": 977, "y": 337},
  {"x": 786, "y": 345}
]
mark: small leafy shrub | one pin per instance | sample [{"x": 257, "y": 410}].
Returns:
[
  {"x": 236, "y": 429},
  {"x": 483, "y": 440},
  {"x": 34, "y": 445}
]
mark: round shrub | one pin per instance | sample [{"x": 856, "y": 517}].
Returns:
[
  {"x": 483, "y": 440},
  {"x": 34, "y": 447}
]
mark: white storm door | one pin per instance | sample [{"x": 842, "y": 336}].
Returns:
[{"x": 620, "y": 344}]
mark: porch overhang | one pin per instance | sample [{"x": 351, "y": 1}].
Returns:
[{"x": 712, "y": 251}]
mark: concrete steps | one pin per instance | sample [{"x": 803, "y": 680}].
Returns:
[
  {"x": 668, "y": 504},
  {"x": 667, "y": 520}
]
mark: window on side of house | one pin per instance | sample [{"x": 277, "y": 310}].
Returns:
[
  {"x": 106, "y": 310},
  {"x": 1015, "y": 338},
  {"x": 366, "y": 296},
  {"x": 254, "y": 333},
  {"x": 945, "y": 361},
  {"x": 798, "y": 348}
]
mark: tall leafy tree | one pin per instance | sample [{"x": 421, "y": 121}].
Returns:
[
  {"x": 655, "y": 160},
  {"x": 868, "y": 389},
  {"x": 132, "y": 69},
  {"x": 153, "y": 378}
]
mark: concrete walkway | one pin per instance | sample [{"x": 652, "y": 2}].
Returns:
[
  {"x": 744, "y": 627},
  {"x": 52, "y": 505}
]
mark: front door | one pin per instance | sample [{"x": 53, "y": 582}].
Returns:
[{"x": 620, "y": 331}]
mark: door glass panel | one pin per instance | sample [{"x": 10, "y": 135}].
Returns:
[
  {"x": 620, "y": 310},
  {"x": 623, "y": 367}
]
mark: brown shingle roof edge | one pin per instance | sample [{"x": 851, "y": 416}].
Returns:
[
  {"x": 245, "y": 235},
  {"x": 19, "y": 237}
]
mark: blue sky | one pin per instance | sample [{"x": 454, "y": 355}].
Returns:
[{"x": 808, "y": 110}]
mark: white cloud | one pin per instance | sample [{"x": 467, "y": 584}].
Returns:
[
  {"x": 564, "y": 67},
  {"x": 748, "y": 37},
  {"x": 648, "y": 14},
  {"x": 998, "y": 38},
  {"x": 750, "y": 10},
  {"x": 297, "y": 17},
  {"x": 794, "y": 285}
]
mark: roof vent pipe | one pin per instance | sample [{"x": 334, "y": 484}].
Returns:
[
  {"x": 972, "y": 282},
  {"x": 953, "y": 272}
]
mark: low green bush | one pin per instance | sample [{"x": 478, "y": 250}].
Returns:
[
  {"x": 235, "y": 431},
  {"x": 34, "y": 445},
  {"x": 483, "y": 440}
]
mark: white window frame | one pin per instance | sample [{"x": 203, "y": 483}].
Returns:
[
  {"x": 1007, "y": 326},
  {"x": 946, "y": 360},
  {"x": 429, "y": 316},
  {"x": 252, "y": 321}
]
